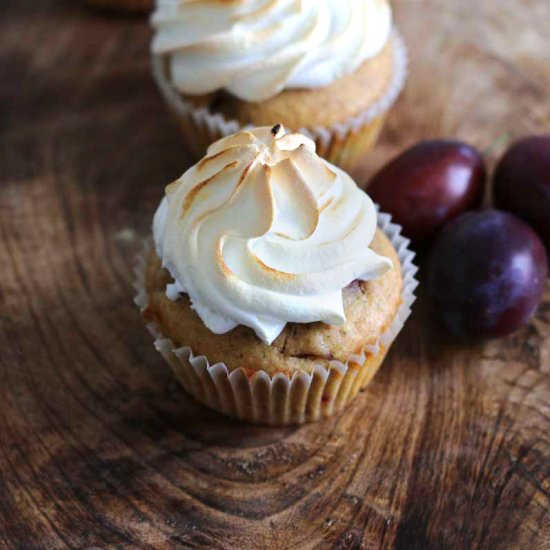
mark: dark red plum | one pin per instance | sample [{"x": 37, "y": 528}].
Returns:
[
  {"x": 486, "y": 274},
  {"x": 522, "y": 183},
  {"x": 428, "y": 185}
]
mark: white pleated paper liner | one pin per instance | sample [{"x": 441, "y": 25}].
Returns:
[
  {"x": 283, "y": 400},
  {"x": 339, "y": 143}
]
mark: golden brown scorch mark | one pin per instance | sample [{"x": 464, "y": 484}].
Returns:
[{"x": 192, "y": 195}]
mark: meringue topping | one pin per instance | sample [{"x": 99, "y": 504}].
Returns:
[
  {"x": 256, "y": 48},
  {"x": 262, "y": 232}
]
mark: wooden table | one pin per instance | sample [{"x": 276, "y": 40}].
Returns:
[{"x": 99, "y": 447}]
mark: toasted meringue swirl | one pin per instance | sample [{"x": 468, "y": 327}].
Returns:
[
  {"x": 262, "y": 232},
  {"x": 256, "y": 48}
]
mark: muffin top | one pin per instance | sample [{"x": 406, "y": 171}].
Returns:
[
  {"x": 332, "y": 105},
  {"x": 254, "y": 49},
  {"x": 263, "y": 232}
]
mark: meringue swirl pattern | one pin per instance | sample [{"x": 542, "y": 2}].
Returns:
[
  {"x": 262, "y": 232},
  {"x": 256, "y": 48}
]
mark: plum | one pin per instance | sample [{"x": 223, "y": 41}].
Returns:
[
  {"x": 486, "y": 274},
  {"x": 429, "y": 184},
  {"x": 522, "y": 183}
]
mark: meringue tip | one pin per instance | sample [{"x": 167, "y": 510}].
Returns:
[{"x": 276, "y": 129}]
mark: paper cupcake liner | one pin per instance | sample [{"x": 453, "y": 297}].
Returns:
[
  {"x": 281, "y": 399},
  {"x": 343, "y": 144}
]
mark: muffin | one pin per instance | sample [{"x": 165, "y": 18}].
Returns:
[
  {"x": 272, "y": 293},
  {"x": 130, "y": 6},
  {"x": 330, "y": 69}
]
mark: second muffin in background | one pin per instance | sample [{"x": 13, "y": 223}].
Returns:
[{"x": 330, "y": 69}]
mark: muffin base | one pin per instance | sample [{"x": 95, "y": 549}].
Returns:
[
  {"x": 369, "y": 306},
  {"x": 281, "y": 399},
  {"x": 343, "y": 143}
]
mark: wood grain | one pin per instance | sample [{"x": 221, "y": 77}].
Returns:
[{"x": 99, "y": 446}]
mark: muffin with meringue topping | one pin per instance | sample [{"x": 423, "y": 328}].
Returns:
[
  {"x": 330, "y": 69},
  {"x": 274, "y": 288}
]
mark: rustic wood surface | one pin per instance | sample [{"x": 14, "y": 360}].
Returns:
[{"x": 99, "y": 447}]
